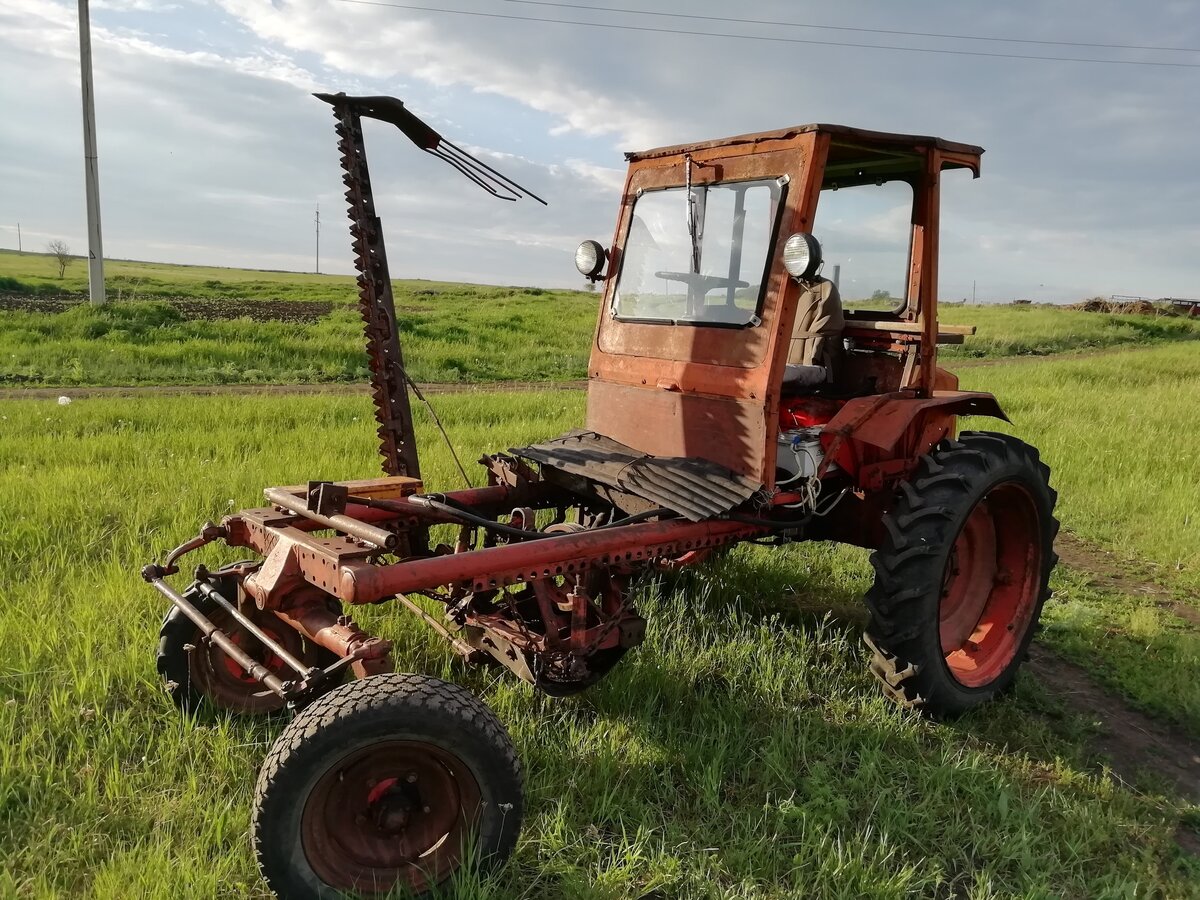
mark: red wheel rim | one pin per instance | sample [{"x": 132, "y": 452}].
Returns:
[
  {"x": 396, "y": 813},
  {"x": 990, "y": 586},
  {"x": 226, "y": 684}
]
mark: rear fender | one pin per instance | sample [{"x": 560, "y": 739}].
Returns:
[{"x": 879, "y": 439}]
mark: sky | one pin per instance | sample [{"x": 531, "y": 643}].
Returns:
[{"x": 212, "y": 150}]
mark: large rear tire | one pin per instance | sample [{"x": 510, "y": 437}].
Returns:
[
  {"x": 962, "y": 574},
  {"x": 389, "y": 784}
]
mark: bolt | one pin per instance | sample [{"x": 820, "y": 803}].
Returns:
[
  {"x": 425, "y": 809},
  {"x": 411, "y": 778}
]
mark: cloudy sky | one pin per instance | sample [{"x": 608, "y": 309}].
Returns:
[{"x": 213, "y": 151}]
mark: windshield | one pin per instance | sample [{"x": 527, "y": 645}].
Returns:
[{"x": 715, "y": 279}]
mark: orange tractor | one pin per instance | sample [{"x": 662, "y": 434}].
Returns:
[{"x": 731, "y": 398}]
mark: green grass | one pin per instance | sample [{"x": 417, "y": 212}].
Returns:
[
  {"x": 450, "y": 332},
  {"x": 1122, "y": 438},
  {"x": 742, "y": 752},
  {"x": 464, "y": 334},
  {"x": 37, "y": 273},
  {"x": 1039, "y": 330}
]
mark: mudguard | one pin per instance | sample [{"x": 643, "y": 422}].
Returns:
[{"x": 876, "y": 438}]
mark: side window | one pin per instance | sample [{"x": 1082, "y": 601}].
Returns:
[{"x": 865, "y": 233}]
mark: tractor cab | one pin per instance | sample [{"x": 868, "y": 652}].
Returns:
[{"x": 720, "y": 325}]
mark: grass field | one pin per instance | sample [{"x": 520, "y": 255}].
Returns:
[
  {"x": 1123, "y": 438},
  {"x": 37, "y": 273},
  {"x": 742, "y": 752},
  {"x": 451, "y": 332}
]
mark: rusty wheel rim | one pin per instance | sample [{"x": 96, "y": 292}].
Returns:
[
  {"x": 224, "y": 683},
  {"x": 395, "y": 813},
  {"x": 990, "y": 586}
]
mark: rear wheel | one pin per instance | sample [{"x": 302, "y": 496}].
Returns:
[
  {"x": 389, "y": 784},
  {"x": 962, "y": 574}
]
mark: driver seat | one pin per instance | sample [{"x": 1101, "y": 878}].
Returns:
[{"x": 816, "y": 352}]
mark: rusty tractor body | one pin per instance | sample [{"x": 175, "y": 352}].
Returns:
[{"x": 730, "y": 398}]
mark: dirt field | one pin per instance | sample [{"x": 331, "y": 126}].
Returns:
[{"x": 190, "y": 309}]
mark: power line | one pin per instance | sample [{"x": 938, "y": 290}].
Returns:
[
  {"x": 771, "y": 38},
  {"x": 926, "y": 34}
]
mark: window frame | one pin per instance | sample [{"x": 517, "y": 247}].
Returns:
[{"x": 779, "y": 204}]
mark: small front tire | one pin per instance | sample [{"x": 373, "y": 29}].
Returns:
[
  {"x": 389, "y": 784},
  {"x": 198, "y": 674}
]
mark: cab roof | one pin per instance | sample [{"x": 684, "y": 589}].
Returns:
[{"x": 855, "y": 154}]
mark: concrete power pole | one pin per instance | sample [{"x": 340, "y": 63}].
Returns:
[
  {"x": 90, "y": 163},
  {"x": 318, "y": 221}
]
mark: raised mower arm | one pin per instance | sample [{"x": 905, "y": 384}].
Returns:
[{"x": 389, "y": 379}]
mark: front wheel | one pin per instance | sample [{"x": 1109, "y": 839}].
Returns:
[
  {"x": 962, "y": 574},
  {"x": 386, "y": 787}
]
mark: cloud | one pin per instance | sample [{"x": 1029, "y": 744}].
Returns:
[
  {"x": 134, "y": 5},
  {"x": 212, "y": 151},
  {"x": 447, "y": 57}
]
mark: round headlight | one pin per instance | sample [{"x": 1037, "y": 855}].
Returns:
[
  {"x": 590, "y": 258},
  {"x": 802, "y": 256}
]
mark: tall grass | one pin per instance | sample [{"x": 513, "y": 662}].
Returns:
[
  {"x": 1122, "y": 436},
  {"x": 450, "y": 332},
  {"x": 742, "y": 752},
  {"x": 464, "y": 335}
]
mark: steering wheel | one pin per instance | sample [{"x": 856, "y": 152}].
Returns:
[{"x": 705, "y": 282}]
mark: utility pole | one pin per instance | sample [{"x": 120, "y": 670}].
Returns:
[
  {"x": 318, "y": 221},
  {"x": 91, "y": 165},
  {"x": 18, "y": 237},
  {"x": 972, "y": 291}
]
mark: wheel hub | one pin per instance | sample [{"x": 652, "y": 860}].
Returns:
[
  {"x": 225, "y": 682},
  {"x": 990, "y": 585},
  {"x": 394, "y": 813}
]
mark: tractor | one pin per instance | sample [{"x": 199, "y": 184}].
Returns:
[{"x": 731, "y": 397}]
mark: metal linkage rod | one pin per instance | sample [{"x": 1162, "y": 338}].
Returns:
[{"x": 251, "y": 666}]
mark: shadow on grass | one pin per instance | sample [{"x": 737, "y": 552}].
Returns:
[
  {"x": 745, "y": 745},
  {"x": 745, "y": 751}
]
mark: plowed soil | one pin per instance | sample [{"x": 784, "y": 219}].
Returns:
[{"x": 299, "y": 311}]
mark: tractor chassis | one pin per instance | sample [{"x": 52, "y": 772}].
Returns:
[{"x": 567, "y": 622}]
